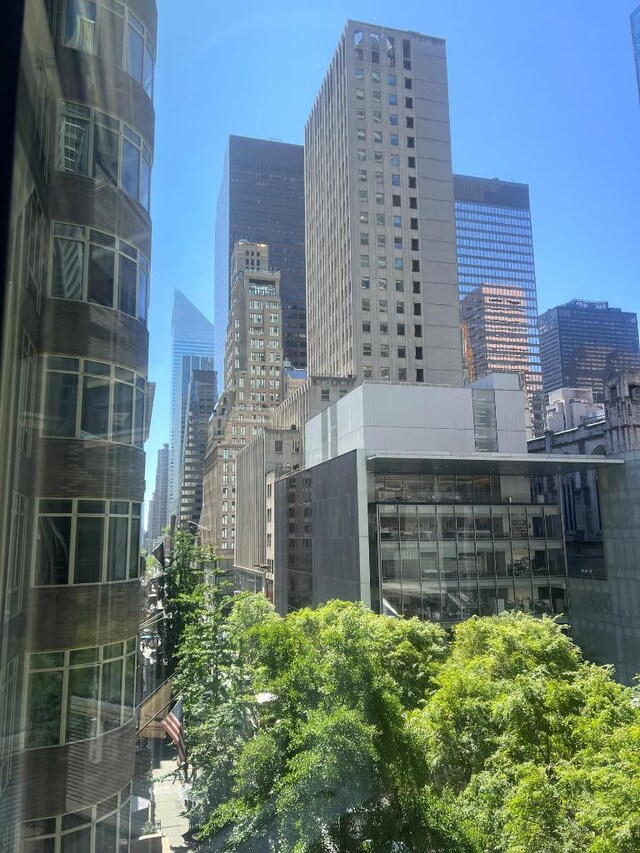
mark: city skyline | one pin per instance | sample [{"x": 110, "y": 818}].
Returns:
[{"x": 582, "y": 259}]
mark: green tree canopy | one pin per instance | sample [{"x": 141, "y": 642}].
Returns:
[{"x": 335, "y": 729}]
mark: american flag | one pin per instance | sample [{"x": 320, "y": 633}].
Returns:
[{"x": 172, "y": 724}]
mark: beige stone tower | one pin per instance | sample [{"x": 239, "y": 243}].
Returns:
[
  {"x": 382, "y": 294},
  {"x": 253, "y": 382}
]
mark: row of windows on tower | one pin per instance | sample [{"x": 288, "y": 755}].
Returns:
[{"x": 388, "y": 45}]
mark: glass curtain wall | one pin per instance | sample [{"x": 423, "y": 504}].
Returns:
[{"x": 448, "y": 550}]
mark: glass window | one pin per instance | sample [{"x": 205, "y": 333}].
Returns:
[
  {"x": 60, "y": 404},
  {"x": 127, "y": 296},
  {"x": 88, "y": 557},
  {"x": 122, "y": 416},
  {"x": 446, "y": 524},
  {"x": 135, "y": 48},
  {"x": 74, "y": 145},
  {"x": 118, "y": 551},
  {"x": 134, "y": 552},
  {"x": 53, "y": 550},
  {"x": 130, "y": 168},
  {"x": 139, "y": 436},
  {"x": 101, "y": 276},
  {"x": 552, "y": 522},
  {"x": 68, "y": 269},
  {"x": 145, "y": 179},
  {"x": 426, "y": 522},
  {"x": 518, "y": 521},
  {"x": 389, "y": 523},
  {"x": 110, "y": 36},
  {"x": 82, "y": 703},
  {"x": 394, "y": 138},
  {"x": 95, "y": 408},
  {"x": 111, "y": 694},
  {"x": 45, "y": 703},
  {"x": 80, "y": 25},
  {"x": 105, "y": 154},
  {"x": 407, "y": 522},
  {"x": 143, "y": 289}
]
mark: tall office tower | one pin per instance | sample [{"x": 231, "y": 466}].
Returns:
[
  {"x": 382, "y": 295},
  {"x": 76, "y": 234},
  {"x": 252, "y": 387},
  {"x": 262, "y": 200},
  {"x": 494, "y": 331},
  {"x": 635, "y": 35},
  {"x": 495, "y": 248},
  {"x": 583, "y": 343},
  {"x": 158, "y": 517},
  {"x": 201, "y": 399},
  {"x": 191, "y": 335}
]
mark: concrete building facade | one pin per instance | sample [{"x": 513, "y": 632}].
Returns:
[
  {"x": 400, "y": 509},
  {"x": 382, "y": 295},
  {"x": 253, "y": 383}
]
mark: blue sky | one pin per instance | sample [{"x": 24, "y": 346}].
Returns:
[{"x": 540, "y": 92}]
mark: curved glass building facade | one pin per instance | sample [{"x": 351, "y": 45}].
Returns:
[{"x": 73, "y": 416}]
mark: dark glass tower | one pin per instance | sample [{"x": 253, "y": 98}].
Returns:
[
  {"x": 76, "y": 235},
  {"x": 262, "y": 200},
  {"x": 495, "y": 249},
  {"x": 583, "y": 343}
]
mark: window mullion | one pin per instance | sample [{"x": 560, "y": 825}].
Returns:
[
  {"x": 80, "y": 398},
  {"x": 65, "y": 691},
  {"x": 72, "y": 542},
  {"x": 85, "y": 265},
  {"x": 105, "y": 547}
]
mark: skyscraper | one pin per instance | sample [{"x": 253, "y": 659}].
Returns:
[
  {"x": 253, "y": 384},
  {"x": 635, "y": 35},
  {"x": 192, "y": 347},
  {"x": 494, "y": 331},
  {"x": 73, "y": 409},
  {"x": 262, "y": 200},
  {"x": 158, "y": 506},
  {"x": 495, "y": 248},
  {"x": 583, "y": 343},
  {"x": 381, "y": 259},
  {"x": 201, "y": 399}
]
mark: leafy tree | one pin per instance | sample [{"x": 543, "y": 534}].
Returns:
[{"x": 339, "y": 730}]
